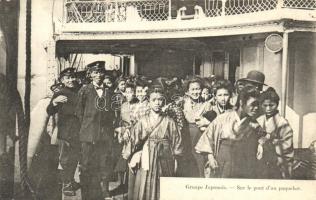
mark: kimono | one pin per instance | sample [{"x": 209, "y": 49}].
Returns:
[
  {"x": 235, "y": 152},
  {"x": 194, "y": 110},
  {"x": 281, "y": 137},
  {"x": 139, "y": 110},
  {"x": 158, "y": 155},
  {"x": 124, "y": 136},
  {"x": 218, "y": 140}
]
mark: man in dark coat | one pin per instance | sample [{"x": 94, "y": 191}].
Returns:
[
  {"x": 64, "y": 104},
  {"x": 96, "y": 135}
]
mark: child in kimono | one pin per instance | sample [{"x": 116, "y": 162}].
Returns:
[
  {"x": 231, "y": 140},
  {"x": 123, "y": 133},
  {"x": 160, "y": 145},
  {"x": 279, "y": 136},
  {"x": 141, "y": 107}
]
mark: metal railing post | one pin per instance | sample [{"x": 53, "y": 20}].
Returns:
[
  {"x": 280, "y": 4},
  {"x": 64, "y": 12},
  {"x": 223, "y": 7},
  {"x": 169, "y": 11},
  {"x": 116, "y": 11}
]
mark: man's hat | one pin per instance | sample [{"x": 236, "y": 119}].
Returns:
[
  {"x": 255, "y": 77},
  {"x": 96, "y": 66},
  {"x": 67, "y": 72}
]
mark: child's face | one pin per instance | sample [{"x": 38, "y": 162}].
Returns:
[
  {"x": 269, "y": 107},
  {"x": 222, "y": 96},
  {"x": 129, "y": 94},
  {"x": 194, "y": 90},
  {"x": 140, "y": 93},
  {"x": 108, "y": 82},
  {"x": 251, "y": 107},
  {"x": 156, "y": 101},
  {"x": 205, "y": 94},
  {"x": 122, "y": 86}
]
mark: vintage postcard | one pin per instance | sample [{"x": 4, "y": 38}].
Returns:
[{"x": 157, "y": 99}]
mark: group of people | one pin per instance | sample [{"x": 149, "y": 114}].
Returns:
[{"x": 142, "y": 129}]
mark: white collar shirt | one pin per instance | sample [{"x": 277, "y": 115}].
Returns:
[{"x": 98, "y": 89}]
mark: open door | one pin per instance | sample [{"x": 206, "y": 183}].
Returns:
[{"x": 219, "y": 64}]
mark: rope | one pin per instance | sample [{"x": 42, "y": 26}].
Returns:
[{"x": 23, "y": 140}]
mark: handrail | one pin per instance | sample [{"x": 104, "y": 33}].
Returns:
[{"x": 106, "y": 11}]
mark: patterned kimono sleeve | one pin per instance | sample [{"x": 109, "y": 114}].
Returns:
[
  {"x": 176, "y": 139},
  {"x": 207, "y": 142},
  {"x": 284, "y": 147}
]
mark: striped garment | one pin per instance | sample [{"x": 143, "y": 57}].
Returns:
[{"x": 282, "y": 137}]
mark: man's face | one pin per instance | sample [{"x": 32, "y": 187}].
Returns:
[
  {"x": 251, "y": 108},
  {"x": 242, "y": 84},
  {"x": 194, "y": 90},
  {"x": 68, "y": 81},
  {"x": 254, "y": 85},
  {"x": 156, "y": 102},
  {"x": 108, "y": 83},
  {"x": 222, "y": 96},
  {"x": 129, "y": 94},
  {"x": 97, "y": 76},
  {"x": 269, "y": 107}
]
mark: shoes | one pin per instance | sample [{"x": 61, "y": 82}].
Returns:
[
  {"x": 75, "y": 185},
  {"x": 68, "y": 189},
  {"x": 121, "y": 189}
]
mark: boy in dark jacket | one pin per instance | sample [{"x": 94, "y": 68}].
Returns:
[{"x": 63, "y": 103}]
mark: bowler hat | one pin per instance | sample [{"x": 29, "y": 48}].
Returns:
[{"x": 255, "y": 77}]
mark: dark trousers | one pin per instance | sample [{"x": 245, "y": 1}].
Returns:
[
  {"x": 95, "y": 168},
  {"x": 68, "y": 159}
]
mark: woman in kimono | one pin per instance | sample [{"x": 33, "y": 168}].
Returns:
[
  {"x": 194, "y": 108},
  {"x": 277, "y": 145},
  {"x": 159, "y": 142},
  {"x": 231, "y": 140}
]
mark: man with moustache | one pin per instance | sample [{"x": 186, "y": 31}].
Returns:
[
  {"x": 254, "y": 79},
  {"x": 96, "y": 116}
]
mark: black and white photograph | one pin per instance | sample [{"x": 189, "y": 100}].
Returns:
[{"x": 130, "y": 99}]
